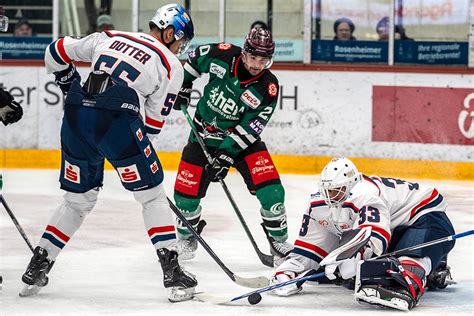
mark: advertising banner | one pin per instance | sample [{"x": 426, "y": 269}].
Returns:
[
  {"x": 320, "y": 113},
  {"x": 366, "y": 13},
  {"x": 423, "y": 115},
  {"x": 349, "y": 51},
  {"x": 285, "y": 49},
  {"x": 433, "y": 53},
  {"x": 12, "y": 47}
]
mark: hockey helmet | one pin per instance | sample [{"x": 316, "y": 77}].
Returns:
[
  {"x": 337, "y": 180},
  {"x": 259, "y": 41},
  {"x": 176, "y": 16}
]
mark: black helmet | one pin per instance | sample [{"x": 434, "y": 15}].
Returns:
[{"x": 259, "y": 41}]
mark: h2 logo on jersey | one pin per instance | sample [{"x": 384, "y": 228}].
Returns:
[{"x": 226, "y": 105}]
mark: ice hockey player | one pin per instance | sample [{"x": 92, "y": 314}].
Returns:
[
  {"x": 398, "y": 213},
  {"x": 131, "y": 72},
  {"x": 236, "y": 105},
  {"x": 10, "y": 110}
]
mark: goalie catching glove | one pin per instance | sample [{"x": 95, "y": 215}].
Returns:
[{"x": 10, "y": 110}]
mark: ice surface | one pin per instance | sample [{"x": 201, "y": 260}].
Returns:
[{"x": 110, "y": 268}]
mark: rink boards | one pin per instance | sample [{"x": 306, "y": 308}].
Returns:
[
  {"x": 425, "y": 169},
  {"x": 401, "y": 122}
]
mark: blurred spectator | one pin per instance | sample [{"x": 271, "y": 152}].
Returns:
[
  {"x": 343, "y": 29},
  {"x": 104, "y": 23},
  {"x": 3, "y": 20},
  {"x": 91, "y": 12},
  {"x": 23, "y": 28},
  {"x": 383, "y": 28},
  {"x": 259, "y": 24}
]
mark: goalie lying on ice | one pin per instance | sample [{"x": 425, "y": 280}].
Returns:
[{"x": 359, "y": 217}]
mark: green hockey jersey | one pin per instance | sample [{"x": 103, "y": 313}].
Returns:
[{"x": 232, "y": 111}]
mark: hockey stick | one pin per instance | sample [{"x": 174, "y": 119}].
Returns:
[
  {"x": 255, "y": 282},
  {"x": 15, "y": 222},
  {"x": 425, "y": 244},
  {"x": 256, "y": 294},
  {"x": 265, "y": 259}
]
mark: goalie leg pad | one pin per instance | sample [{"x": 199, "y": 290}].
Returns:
[{"x": 389, "y": 282}]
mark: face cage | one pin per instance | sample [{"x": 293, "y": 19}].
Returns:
[
  {"x": 342, "y": 195},
  {"x": 183, "y": 47},
  {"x": 3, "y": 23}
]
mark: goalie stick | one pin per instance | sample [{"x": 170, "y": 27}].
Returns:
[
  {"x": 309, "y": 276},
  {"x": 255, "y": 282},
  {"x": 264, "y": 258}
]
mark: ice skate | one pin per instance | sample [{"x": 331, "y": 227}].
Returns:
[
  {"x": 35, "y": 276},
  {"x": 180, "y": 283},
  {"x": 187, "y": 248},
  {"x": 440, "y": 278},
  {"x": 280, "y": 250}
]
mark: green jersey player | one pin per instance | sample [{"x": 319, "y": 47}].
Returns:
[{"x": 235, "y": 107}]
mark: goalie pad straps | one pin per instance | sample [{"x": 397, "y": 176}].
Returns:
[{"x": 411, "y": 274}]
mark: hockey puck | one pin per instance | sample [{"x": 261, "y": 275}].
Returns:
[{"x": 255, "y": 298}]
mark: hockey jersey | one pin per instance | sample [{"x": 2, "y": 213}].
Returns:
[
  {"x": 381, "y": 203},
  {"x": 231, "y": 113},
  {"x": 137, "y": 60}
]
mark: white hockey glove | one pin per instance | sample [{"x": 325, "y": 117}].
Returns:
[{"x": 286, "y": 271}]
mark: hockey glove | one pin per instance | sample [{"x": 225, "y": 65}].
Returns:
[
  {"x": 5, "y": 98},
  {"x": 184, "y": 96},
  {"x": 286, "y": 271},
  {"x": 64, "y": 78},
  {"x": 219, "y": 167},
  {"x": 10, "y": 111}
]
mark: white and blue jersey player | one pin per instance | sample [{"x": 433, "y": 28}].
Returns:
[
  {"x": 400, "y": 214},
  {"x": 116, "y": 115}
]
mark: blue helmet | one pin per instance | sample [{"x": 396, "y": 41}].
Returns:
[{"x": 176, "y": 16}]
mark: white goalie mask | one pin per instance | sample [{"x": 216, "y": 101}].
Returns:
[{"x": 338, "y": 178}]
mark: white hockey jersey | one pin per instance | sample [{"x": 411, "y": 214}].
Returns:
[
  {"x": 139, "y": 60},
  {"x": 382, "y": 203}
]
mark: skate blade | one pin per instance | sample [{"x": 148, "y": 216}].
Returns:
[
  {"x": 30, "y": 290},
  {"x": 185, "y": 256},
  {"x": 178, "y": 294},
  {"x": 395, "y": 303},
  {"x": 450, "y": 282}
]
